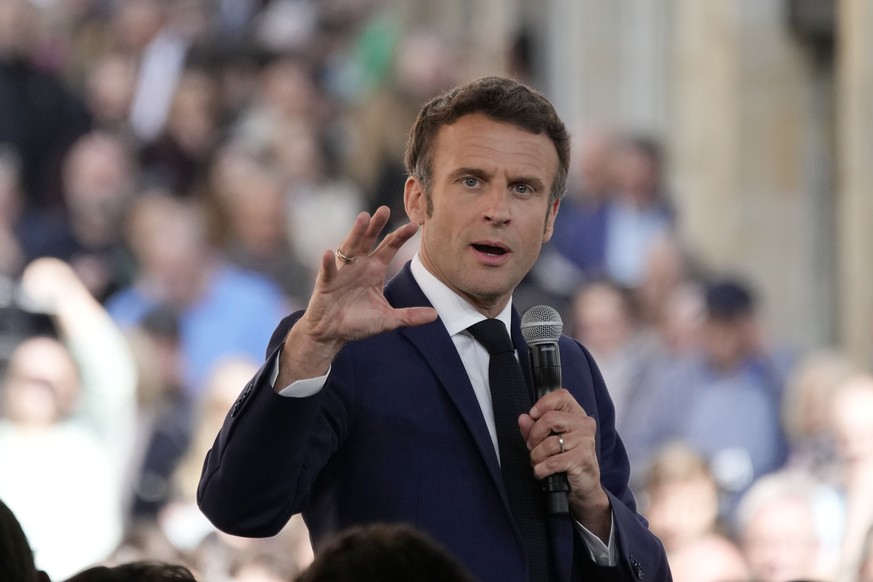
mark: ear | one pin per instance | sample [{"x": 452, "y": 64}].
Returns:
[
  {"x": 414, "y": 200},
  {"x": 550, "y": 221}
]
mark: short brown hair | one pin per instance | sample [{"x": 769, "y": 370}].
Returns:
[
  {"x": 382, "y": 552},
  {"x": 500, "y": 99}
]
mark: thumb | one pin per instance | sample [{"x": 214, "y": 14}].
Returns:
[
  {"x": 525, "y": 423},
  {"x": 414, "y": 316}
]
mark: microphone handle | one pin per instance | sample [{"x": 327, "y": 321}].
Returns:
[{"x": 545, "y": 366}]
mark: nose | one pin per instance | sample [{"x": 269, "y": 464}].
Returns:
[{"x": 496, "y": 205}]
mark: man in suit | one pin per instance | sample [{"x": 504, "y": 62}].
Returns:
[{"x": 374, "y": 404}]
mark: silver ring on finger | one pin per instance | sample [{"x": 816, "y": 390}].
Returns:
[{"x": 561, "y": 442}]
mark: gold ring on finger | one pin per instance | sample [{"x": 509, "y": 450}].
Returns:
[{"x": 344, "y": 258}]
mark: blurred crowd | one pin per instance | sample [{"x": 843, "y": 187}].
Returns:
[{"x": 170, "y": 175}]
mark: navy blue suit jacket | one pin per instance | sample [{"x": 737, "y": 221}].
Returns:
[{"x": 397, "y": 435}]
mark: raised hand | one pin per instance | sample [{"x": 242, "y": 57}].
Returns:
[{"x": 347, "y": 302}]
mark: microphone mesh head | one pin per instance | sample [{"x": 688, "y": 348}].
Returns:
[{"x": 541, "y": 324}]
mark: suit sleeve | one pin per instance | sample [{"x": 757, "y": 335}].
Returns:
[
  {"x": 640, "y": 553},
  {"x": 269, "y": 450}
]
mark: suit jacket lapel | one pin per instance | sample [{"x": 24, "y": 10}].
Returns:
[{"x": 437, "y": 348}]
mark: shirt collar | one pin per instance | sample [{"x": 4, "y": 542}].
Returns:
[{"x": 456, "y": 313}]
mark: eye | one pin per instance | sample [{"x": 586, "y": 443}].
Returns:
[
  {"x": 470, "y": 181},
  {"x": 523, "y": 189}
]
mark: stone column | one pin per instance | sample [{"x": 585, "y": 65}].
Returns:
[
  {"x": 747, "y": 124},
  {"x": 855, "y": 175},
  {"x": 608, "y": 62}
]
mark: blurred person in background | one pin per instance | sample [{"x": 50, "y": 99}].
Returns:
[
  {"x": 66, "y": 430},
  {"x": 318, "y": 201},
  {"x": 722, "y": 398},
  {"x": 852, "y": 424},
  {"x": 288, "y": 127},
  {"x": 286, "y": 93},
  {"x": 178, "y": 157},
  {"x": 806, "y": 412},
  {"x": 183, "y": 523},
  {"x": 108, "y": 89},
  {"x": 214, "y": 554},
  {"x": 40, "y": 115},
  {"x": 248, "y": 198},
  {"x": 606, "y": 320},
  {"x": 711, "y": 558},
  {"x": 98, "y": 181},
  {"x": 421, "y": 63},
  {"x": 680, "y": 497},
  {"x": 667, "y": 267},
  {"x": 577, "y": 252},
  {"x": 264, "y": 564},
  {"x": 580, "y": 227},
  {"x": 146, "y": 541},
  {"x": 782, "y": 524},
  {"x": 639, "y": 210},
  {"x": 222, "y": 309},
  {"x": 164, "y": 412},
  {"x": 146, "y": 31},
  {"x": 680, "y": 327},
  {"x": 12, "y": 257}
]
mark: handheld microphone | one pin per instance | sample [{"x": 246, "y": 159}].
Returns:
[{"x": 541, "y": 327}]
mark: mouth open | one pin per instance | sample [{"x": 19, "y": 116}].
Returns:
[{"x": 490, "y": 249}]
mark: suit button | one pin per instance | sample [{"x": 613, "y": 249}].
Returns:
[{"x": 637, "y": 568}]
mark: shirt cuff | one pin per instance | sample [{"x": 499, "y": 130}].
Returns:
[
  {"x": 602, "y": 554},
  {"x": 300, "y": 388}
]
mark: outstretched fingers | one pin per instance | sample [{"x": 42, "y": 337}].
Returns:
[
  {"x": 394, "y": 241},
  {"x": 356, "y": 241},
  {"x": 377, "y": 222},
  {"x": 361, "y": 239}
]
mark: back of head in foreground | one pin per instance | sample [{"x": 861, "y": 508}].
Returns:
[
  {"x": 140, "y": 571},
  {"x": 16, "y": 556},
  {"x": 383, "y": 553}
]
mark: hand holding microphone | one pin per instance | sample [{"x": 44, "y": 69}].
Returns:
[{"x": 541, "y": 327}]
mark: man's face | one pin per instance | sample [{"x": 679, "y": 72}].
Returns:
[
  {"x": 491, "y": 211},
  {"x": 724, "y": 342}
]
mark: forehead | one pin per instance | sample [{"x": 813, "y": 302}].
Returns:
[{"x": 477, "y": 141}]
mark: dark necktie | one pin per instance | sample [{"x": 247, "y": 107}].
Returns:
[{"x": 510, "y": 398}]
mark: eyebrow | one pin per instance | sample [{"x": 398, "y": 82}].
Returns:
[{"x": 478, "y": 172}]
